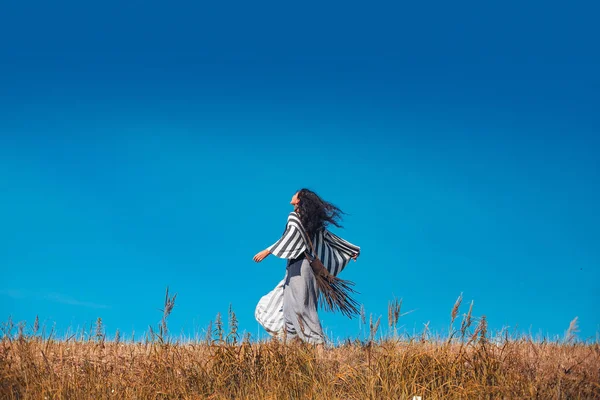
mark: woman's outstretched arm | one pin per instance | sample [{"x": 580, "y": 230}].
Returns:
[
  {"x": 261, "y": 255},
  {"x": 343, "y": 246},
  {"x": 290, "y": 245}
]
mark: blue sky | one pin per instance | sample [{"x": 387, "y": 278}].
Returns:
[{"x": 149, "y": 145}]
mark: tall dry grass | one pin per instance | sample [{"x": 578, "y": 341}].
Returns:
[{"x": 467, "y": 364}]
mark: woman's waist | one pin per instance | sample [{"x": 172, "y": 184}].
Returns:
[{"x": 299, "y": 258}]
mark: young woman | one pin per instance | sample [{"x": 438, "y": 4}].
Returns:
[{"x": 292, "y": 305}]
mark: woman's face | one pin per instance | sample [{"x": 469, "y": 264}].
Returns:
[{"x": 295, "y": 201}]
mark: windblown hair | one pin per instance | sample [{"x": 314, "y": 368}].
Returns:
[{"x": 316, "y": 213}]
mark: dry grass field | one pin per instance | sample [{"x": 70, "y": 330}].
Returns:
[{"x": 467, "y": 364}]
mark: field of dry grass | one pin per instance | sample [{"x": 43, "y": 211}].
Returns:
[{"x": 467, "y": 364}]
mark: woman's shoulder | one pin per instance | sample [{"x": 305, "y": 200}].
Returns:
[{"x": 294, "y": 218}]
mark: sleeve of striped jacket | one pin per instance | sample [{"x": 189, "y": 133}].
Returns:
[
  {"x": 342, "y": 245},
  {"x": 291, "y": 245}
]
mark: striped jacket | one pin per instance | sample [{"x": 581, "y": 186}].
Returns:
[{"x": 333, "y": 251}]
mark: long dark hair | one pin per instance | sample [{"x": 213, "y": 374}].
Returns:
[{"x": 316, "y": 213}]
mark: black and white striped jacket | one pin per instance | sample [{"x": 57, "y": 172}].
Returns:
[{"x": 333, "y": 251}]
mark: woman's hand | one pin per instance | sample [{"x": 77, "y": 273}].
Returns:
[
  {"x": 354, "y": 256},
  {"x": 261, "y": 255}
]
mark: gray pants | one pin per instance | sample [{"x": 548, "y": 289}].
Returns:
[{"x": 300, "y": 303}]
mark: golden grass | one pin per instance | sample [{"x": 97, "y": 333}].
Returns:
[
  {"x": 390, "y": 369},
  {"x": 467, "y": 364}
]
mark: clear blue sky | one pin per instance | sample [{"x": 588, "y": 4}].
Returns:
[{"x": 150, "y": 144}]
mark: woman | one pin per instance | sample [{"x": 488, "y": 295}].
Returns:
[{"x": 292, "y": 305}]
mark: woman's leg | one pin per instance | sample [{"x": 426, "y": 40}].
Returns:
[{"x": 300, "y": 303}]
